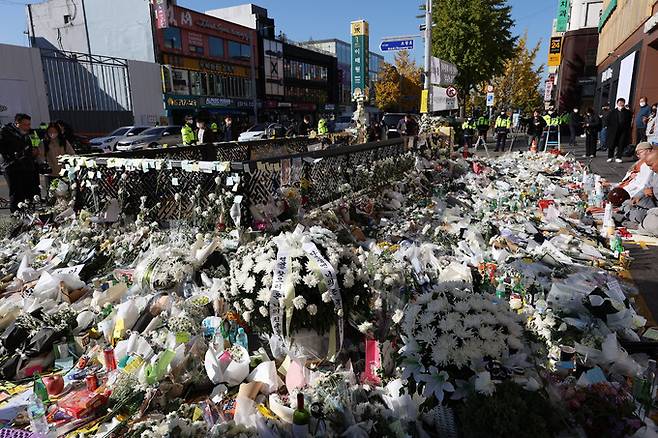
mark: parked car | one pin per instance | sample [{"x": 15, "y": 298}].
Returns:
[
  {"x": 342, "y": 123},
  {"x": 390, "y": 124},
  {"x": 260, "y": 131},
  {"x": 152, "y": 138},
  {"x": 109, "y": 142}
]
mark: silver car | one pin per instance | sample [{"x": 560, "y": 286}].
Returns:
[
  {"x": 152, "y": 138},
  {"x": 109, "y": 142}
]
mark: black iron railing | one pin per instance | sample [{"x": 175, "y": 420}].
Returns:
[{"x": 165, "y": 180}]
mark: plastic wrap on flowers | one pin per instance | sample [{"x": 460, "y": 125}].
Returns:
[
  {"x": 303, "y": 286},
  {"x": 163, "y": 269}
]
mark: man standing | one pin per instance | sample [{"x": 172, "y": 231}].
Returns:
[
  {"x": 18, "y": 160},
  {"x": 502, "y": 126},
  {"x": 468, "y": 129},
  {"x": 535, "y": 128},
  {"x": 619, "y": 129},
  {"x": 187, "y": 132},
  {"x": 483, "y": 127},
  {"x": 408, "y": 129},
  {"x": 305, "y": 127},
  {"x": 229, "y": 135},
  {"x": 641, "y": 120}
]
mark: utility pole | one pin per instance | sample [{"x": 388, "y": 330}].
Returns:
[{"x": 427, "y": 30}]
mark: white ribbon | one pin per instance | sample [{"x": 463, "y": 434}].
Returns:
[
  {"x": 281, "y": 269},
  {"x": 331, "y": 281}
]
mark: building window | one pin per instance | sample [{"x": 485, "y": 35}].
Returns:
[
  {"x": 172, "y": 39},
  {"x": 196, "y": 49},
  {"x": 216, "y": 47},
  {"x": 239, "y": 51},
  {"x": 180, "y": 81},
  {"x": 198, "y": 83},
  {"x": 166, "y": 80}
]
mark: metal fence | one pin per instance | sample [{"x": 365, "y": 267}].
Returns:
[
  {"x": 89, "y": 91},
  {"x": 157, "y": 176}
]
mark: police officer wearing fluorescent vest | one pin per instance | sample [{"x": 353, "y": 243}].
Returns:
[
  {"x": 503, "y": 124},
  {"x": 469, "y": 127},
  {"x": 483, "y": 125},
  {"x": 187, "y": 132}
]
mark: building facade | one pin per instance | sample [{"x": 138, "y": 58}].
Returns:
[
  {"x": 575, "y": 77},
  {"x": 342, "y": 51},
  {"x": 208, "y": 64},
  {"x": 627, "y": 59},
  {"x": 296, "y": 80}
]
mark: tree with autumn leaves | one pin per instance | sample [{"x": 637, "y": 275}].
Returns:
[
  {"x": 399, "y": 85},
  {"x": 518, "y": 86},
  {"x": 476, "y": 36}
]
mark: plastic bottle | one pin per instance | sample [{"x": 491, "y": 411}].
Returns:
[
  {"x": 36, "y": 411},
  {"x": 500, "y": 289},
  {"x": 39, "y": 389},
  {"x": 241, "y": 339}
]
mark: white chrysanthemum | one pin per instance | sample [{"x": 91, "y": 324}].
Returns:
[
  {"x": 377, "y": 305},
  {"x": 299, "y": 302},
  {"x": 462, "y": 307},
  {"x": 312, "y": 309},
  {"x": 397, "y": 316},
  {"x": 249, "y": 284},
  {"x": 267, "y": 280},
  {"x": 487, "y": 333},
  {"x": 263, "y": 311},
  {"x": 365, "y": 327},
  {"x": 339, "y": 312},
  {"x": 310, "y": 280},
  {"x": 264, "y": 295},
  {"x": 439, "y": 355},
  {"x": 326, "y": 297},
  {"x": 247, "y": 317},
  {"x": 427, "y": 335}
]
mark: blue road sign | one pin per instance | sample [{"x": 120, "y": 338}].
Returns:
[{"x": 388, "y": 46}]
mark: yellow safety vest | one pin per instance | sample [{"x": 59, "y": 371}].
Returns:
[
  {"x": 503, "y": 122},
  {"x": 214, "y": 128},
  {"x": 322, "y": 127},
  {"x": 188, "y": 134}
]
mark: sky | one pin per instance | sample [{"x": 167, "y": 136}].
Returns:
[{"x": 302, "y": 20}]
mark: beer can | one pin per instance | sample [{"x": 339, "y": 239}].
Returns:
[
  {"x": 110, "y": 359},
  {"x": 91, "y": 381}
]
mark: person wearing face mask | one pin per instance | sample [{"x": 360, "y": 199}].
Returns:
[
  {"x": 18, "y": 160},
  {"x": 641, "y": 119},
  {"x": 187, "y": 132},
  {"x": 503, "y": 124},
  {"x": 51, "y": 148},
  {"x": 619, "y": 130},
  {"x": 652, "y": 125},
  {"x": 603, "y": 135},
  {"x": 204, "y": 134},
  {"x": 575, "y": 124}
]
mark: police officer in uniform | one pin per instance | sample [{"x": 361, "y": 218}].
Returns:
[
  {"x": 18, "y": 156},
  {"x": 468, "y": 128},
  {"x": 503, "y": 124},
  {"x": 187, "y": 131}
]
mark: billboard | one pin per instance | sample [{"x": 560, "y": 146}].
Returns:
[
  {"x": 442, "y": 72},
  {"x": 555, "y": 52}
]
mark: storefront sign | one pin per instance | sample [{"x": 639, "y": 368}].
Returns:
[
  {"x": 606, "y": 75},
  {"x": 161, "y": 9},
  {"x": 182, "y": 102},
  {"x": 651, "y": 24},
  {"x": 548, "y": 91},
  {"x": 555, "y": 52},
  {"x": 218, "y": 101},
  {"x": 329, "y": 107},
  {"x": 220, "y": 26},
  {"x": 605, "y": 15},
  {"x": 562, "y": 16},
  {"x": 442, "y": 72},
  {"x": 360, "y": 56},
  {"x": 208, "y": 66},
  {"x": 195, "y": 39},
  {"x": 273, "y": 60}
]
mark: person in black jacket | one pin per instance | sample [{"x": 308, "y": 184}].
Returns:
[
  {"x": 229, "y": 130},
  {"x": 591, "y": 125},
  {"x": 536, "y": 125},
  {"x": 575, "y": 124},
  {"x": 619, "y": 130},
  {"x": 603, "y": 135},
  {"x": 18, "y": 157}
]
